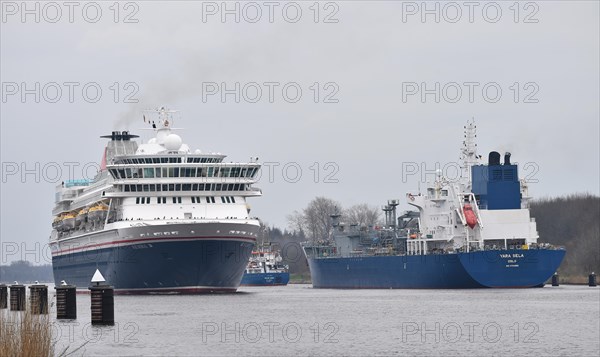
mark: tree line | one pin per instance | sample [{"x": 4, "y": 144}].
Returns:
[{"x": 573, "y": 222}]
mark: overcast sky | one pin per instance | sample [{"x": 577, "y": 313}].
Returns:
[{"x": 370, "y": 60}]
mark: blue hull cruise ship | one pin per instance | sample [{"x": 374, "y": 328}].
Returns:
[{"x": 158, "y": 218}]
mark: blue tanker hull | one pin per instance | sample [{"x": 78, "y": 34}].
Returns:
[
  {"x": 265, "y": 279},
  {"x": 182, "y": 266},
  {"x": 480, "y": 269}
]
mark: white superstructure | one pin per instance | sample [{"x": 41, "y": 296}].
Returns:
[
  {"x": 473, "y": 213},
  {"x": 159, "y": 182}
]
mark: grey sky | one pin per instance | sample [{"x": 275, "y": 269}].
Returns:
[{"x": 369, "y": 53}]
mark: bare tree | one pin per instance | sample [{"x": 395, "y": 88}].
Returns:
[
  {"x": 314, "y": 220},
  {"x": 363, "y": 214},
  {"x": 295, "y": 222}
]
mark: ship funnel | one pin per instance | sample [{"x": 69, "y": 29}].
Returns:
[
  {"x": 390, "y": 213},
  {"x": 120, "y": 136},
  {"x": 507, "y": 158},
  {"x": 494, "y": 158}
]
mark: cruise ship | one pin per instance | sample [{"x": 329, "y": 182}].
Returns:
[
  {"x": 470, "y": 231},
  {"x": 158, "y": 218}
]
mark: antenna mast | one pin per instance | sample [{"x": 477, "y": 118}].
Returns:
[{"x": 468, "y": 152}]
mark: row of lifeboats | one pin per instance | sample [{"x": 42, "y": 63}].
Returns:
[{"x": 71, "y": 220}]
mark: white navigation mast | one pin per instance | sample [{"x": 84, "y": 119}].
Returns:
[{"x": 468, "y": 152}]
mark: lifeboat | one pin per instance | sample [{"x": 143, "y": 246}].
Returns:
[
  {"x": 57, "y": 222},
  {"x": 81, "y": 217},
  {"x": 68, "y": 221},
  {"x": 97, "y": 212},
  {"x": 469, "y": 216}
]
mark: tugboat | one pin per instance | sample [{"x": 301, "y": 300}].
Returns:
[
  {"x": 265, "y": 268},
  {"x": 474, "y": 231},
  {"x": 158, "y": 218}
]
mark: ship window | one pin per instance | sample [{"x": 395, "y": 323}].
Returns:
[
  {"x": 174, "y": 200},
  {"x": 210, "y": 171},
  {"x": 171, "y": 187},
  {"x": 187, "y": 187},
  {"x": 176, "y": 172},
  {"x": 193, "y": 199},
  {"x": 178, "y": 187},
  {"x": 218, "y": 187},
  {"x": 158, "y": 199},
  {"x": 137, "y": 200},
  {"x": 147, "y": 200},
  {"x": 200, "y": 173},
  {"x": 178, "y": 199},
  {"x": 225, "y": 171},
  {"x": 139, "y": 188},
  {"x": 232, "y": 199},
  {"x": 149, "y": 172},
  {"x": 201, "y": 187},
  {"x": 444, "y": 192},
  {"x": 126, "y": 188},
  {"x": 222, "y": 199},
  {"x": 190, "y": 172},
  {"x": 198, "y": 200},
  {"x": 143, "y": 200},
  {"x": 146, "y": 188}
]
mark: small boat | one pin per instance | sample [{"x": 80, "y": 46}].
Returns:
[
  {"x": 97, "y": 212},
  {"x": 81, "y": 217},
  {"x": 68, "y": 221},
  {"x": 265, "y": 268}
]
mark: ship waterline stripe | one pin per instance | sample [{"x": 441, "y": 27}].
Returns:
[
  {"x": 167, "y": 290},
  {"x": 137, "y": 240}
]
